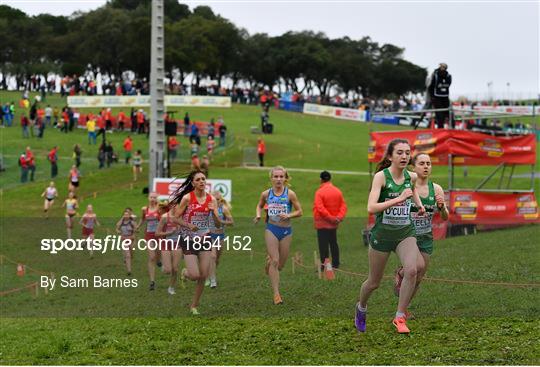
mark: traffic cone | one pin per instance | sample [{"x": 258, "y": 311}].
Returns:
[
  {"x": 20, "y": 270},
  {"x": 328, "y": 271}
]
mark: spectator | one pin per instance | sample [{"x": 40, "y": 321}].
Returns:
[
  {"x": 109, "y": 151},
  {"x": 102, "y": 155},
  {"x": 6, "y": 114},
  {"x": 48, "y": 114},
  {"x": 101, "y": 126},
  {"x": 53, "y": 159},
  {"x": 261, "y": 150},
  {"x": 91, "y": 128},
  {"x": 121, "y": 120},
  {"x": 108, "y": 119},
  {"x": 186, "y": 124},
  {"x": 30, "y": 162},
  {"x": 222, "y": 133},
  {"x": 24, "y": 125},
  {"x": 133, "y": 117},
  {"x": 24, "y": 168},
  {"x": 140, "y": 122},
  {"x": 71, "y": 118},
  {"x": 77, "y": 153},
  {"x": 128, "y": 147},
  {"x": 173, "y": 148},
  {"x": 194, "y": 136},
  {"x": 329, "y": 209},
  {"x": 40, "y": 124},
  {"x": 56, "y": 113}
]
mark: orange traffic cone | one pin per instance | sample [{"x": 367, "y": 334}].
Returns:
[
  {"x": 20, "y": 270},
  {"x": 328, "y": 271}
]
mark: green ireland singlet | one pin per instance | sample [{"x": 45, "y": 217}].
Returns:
[
  {"x": 394, "y": 224},
  {"x": 423, "y": 224}
]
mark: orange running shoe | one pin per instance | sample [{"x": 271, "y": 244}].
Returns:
[
  {"x": 401, "y": 325},
  {"x": 278, "y": 300}
]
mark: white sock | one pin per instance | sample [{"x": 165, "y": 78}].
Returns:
[
  {"x": 400, "y": 314},
  {"x": 360, "y": 308}
]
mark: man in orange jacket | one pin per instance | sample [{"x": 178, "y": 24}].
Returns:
[{"x": 329, "y": 209}]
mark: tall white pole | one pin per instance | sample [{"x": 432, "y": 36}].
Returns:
[{"x": 157, "y": 94}]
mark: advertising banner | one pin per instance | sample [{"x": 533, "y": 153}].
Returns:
[
  {"x": 469, "y": 207},
  {"x": 335, "y": 112},
  {"x": 166, "y": 186},
  {"x": 144, "y": 101},
  {"x": 518, "y": 110},
  {"x": 468, "y": 148}
]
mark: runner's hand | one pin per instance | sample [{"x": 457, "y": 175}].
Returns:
[
  {"x": 405, "y": 194},
  {"x": 256, "y": 220}
]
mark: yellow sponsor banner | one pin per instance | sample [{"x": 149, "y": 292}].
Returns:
[{"x": 144, "y": 101}]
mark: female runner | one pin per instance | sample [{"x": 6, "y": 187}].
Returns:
[
  {"x": 390, "y": 200},
  {"x": 169, "y": 232},
  {"x": 278, "y": 234},
  {"x": 126, "y": 228},
  {"x": 88, "y": 222},
  {"x": 150, "y": 215},
  {"x": 71, "y": 204},
  {"x": 50, "y": 194},
  {"x": 432, "y": 197},
  {"x": 195, "y": 207},
  {"x": 218, "y": 234}
]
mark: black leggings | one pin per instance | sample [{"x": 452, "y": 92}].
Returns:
[{"x": 328, "y": 240}]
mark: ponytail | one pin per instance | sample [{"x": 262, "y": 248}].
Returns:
[{"x": 185, "y": 188}]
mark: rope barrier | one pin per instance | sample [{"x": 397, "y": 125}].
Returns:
[
  {"x": 31, "y": 285},
  {"x": 433, "y": 279}
]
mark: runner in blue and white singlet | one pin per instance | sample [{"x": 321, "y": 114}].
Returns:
[{"x": 280, "y": 201}]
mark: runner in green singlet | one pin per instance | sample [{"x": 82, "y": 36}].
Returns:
[
  {"x": 390, "y": 200},
  {"x": 432, "y": 197}
]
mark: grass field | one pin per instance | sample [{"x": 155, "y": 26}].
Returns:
[{"x": 456, "y": 323}]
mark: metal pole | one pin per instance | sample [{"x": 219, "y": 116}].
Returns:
[
  {"x": 450, "y": 172},
  {"x": 157, "y": 94},
  {"x": 502, "y": 176}
]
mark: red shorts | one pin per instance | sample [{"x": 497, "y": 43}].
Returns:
[
  {"x": 149, "y": 235},
  {"x": 87, "y": 232}
]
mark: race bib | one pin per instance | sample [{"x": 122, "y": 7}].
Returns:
[
  {"x": 422, "y": 224},
  {"x": 398, "y": 215}
]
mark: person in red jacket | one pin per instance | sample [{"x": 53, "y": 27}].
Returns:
[
  {"x": 329, "y": 209},
  {"x": 128, "y": 147}
]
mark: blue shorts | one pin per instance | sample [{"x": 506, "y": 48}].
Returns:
[{"x": 279, "y": 232}]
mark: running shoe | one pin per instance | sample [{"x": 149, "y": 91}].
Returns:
[
  {"x": 213, "y": 283},
  {"x": 360, "y": 319},
  {"x": 278, "y": 300},
  {"x": 171, "y": 291},
  {"x": 401, "y": 325},
  {"x": 398, "y": 278},
  {"x": 207, "y": 283},
  {"x": 152, "y": 286},
  {"x": 194, "y": 311},
  {"x": 183, "y": 274},
  {"x": 159, "y": 264},
  {"x": 129, "y": 274}
]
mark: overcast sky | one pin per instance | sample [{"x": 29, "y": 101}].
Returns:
[{"x": 480, "y": 41}]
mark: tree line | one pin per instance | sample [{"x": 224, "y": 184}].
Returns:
[{"x": 116, "y": 37}]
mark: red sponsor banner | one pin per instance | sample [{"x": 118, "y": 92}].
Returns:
[
  {"x": 467, "y": 148},
  {"x": 469, "y": 207}
]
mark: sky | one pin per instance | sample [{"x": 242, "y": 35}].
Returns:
[{"x": 495, "y": 42}]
